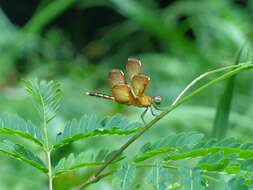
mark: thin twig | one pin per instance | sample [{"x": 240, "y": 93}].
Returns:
[{"x": 94, "y": 176}]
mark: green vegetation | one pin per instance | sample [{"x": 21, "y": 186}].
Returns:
[{"x": 53, "y": 136}]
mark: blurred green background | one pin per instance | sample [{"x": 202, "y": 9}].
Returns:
[{"x": 77, "y": 42}]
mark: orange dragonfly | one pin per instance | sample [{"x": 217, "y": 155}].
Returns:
[{"x": 130, "y": 95}]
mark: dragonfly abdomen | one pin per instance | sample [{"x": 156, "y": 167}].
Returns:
[{"x": 100, "y": 95}]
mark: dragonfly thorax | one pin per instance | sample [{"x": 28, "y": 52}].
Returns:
[{"x": 144, "y": 101}]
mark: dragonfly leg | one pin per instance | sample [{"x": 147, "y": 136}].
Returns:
[
  {"x": 143, "y": 114},
  {"x": 152, "y": 111},
  {"x": 158, "y": 108}
]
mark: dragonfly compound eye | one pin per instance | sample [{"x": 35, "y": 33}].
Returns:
[{"x": 157, "y": 99}]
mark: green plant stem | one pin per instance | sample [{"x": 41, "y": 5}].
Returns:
[
  {"x": 93, "y": 177},
  {"x": 48, "y": 155},
  {"x": 50, "y": 178}
]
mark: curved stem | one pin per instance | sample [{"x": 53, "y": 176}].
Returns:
[{"x": 160, "y": 116}]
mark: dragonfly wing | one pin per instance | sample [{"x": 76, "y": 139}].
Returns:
[
  {"x": 139, "y": 83},
  {"x": 123, "y": 94},
  {"x": 116, "y": 77},
  {"x": 133, "y": 67}
]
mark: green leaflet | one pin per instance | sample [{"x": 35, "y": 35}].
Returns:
[
  {"x": 46, "y": 96},
  {"x": 89, "y": 126},
  {"x": 126, "y": 176},
  {"x": 173, "y": 142},
  {"x": 159, "y": 177},
  {"x": 23, "y": 154},
  {"x": 15, "y": 125},
  {"x": 191, "y": 178}
]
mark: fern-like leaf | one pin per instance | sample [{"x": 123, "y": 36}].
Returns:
[
  {"x": 15, "y": 125},
  {"x": 90, "y": 126},
  {"x": 46, "y": 96},
  {"x": 21, "y": 153}
]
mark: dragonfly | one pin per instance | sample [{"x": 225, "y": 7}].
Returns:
[{"x": 133, "y": 93}]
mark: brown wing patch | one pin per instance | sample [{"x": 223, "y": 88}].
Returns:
[
  {"x": 139, "y": 83},
  {"x": 116, "y": 77},
  {"x": 133, "y": 67},
  {"x": 123, "y": 94}
]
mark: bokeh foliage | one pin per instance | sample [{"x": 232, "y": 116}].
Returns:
[{"x": 77, "y": 43}]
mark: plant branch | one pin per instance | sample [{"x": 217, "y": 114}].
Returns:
[{"x": 160, "y": 116}]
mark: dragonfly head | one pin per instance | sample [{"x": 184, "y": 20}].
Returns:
[{"x": 157, "y": 99}]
